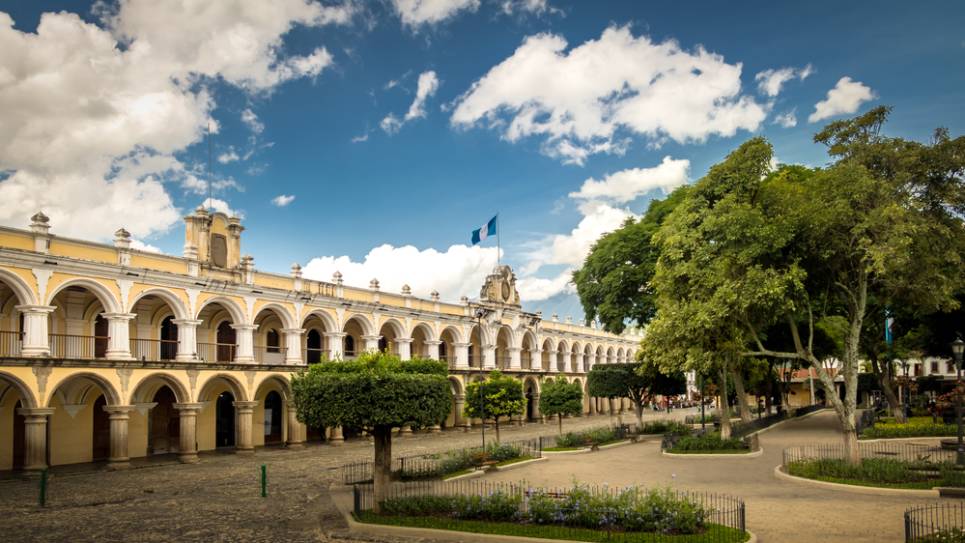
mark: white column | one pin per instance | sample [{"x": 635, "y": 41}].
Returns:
[
  {"x": 245, "y": 337},
  {"x": 432, "y": 349},
  {"x": 119, "y": 335},
  {"x": 187, "y": 339},
  {"x": 293, "y": 346},
  {"x": 371, "y": 342},
  {"x": 535, "y": 359},
  {"x": 489, "y": 357},
  {"x": 554, "y": 368},
  {"x": 579, "y": 362},
  {"x": 462, "y": 355},
  {"x": 404, "y": 347},
  {"x": 245, "y": 413},
  {"x": 296, "y": 430},
  {"x": 335, "y": 341},
  {"x": 36, "y": 336},
  {"x": 515, "y": 362},
  {"x": 119, "y": 417},
  {"x": 188, "y": 442},
  {"x": 335, "y": 436},
  {"x": 35, "y": 437}
]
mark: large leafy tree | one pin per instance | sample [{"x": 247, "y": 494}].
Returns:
[
  {"x": 639, "y": 382},
  {"x": 614, "y": 282},
  {"x": 560, "y": 397},
  {"x": 377, "y": 392},
  {"x": 499, "y": 396},
  {"x": 749, "y": 249}
]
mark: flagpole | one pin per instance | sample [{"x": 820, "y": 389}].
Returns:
[{"x": 498, "y": 231}]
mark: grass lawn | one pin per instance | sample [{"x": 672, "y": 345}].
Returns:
[
  {"x": 562, "y": 449},
  {"x": 713, "y": 533},
  {"x": 712, "y": 451},
  {"x": 876, "y": 472},
  {"x": 915, "y": 427}
]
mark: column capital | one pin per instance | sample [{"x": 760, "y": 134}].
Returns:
[
  {"x": 186, "y": 408},
  {"x": 116, "y": 410},
  {"x": 35, "y": 411},
  {"x": 35, "y": 309},
  {"x": 462, "y": 344},
  {"x": 400, "y": 340},
  {"x": 334, "y": 335},
  {"x": 371, "y": 338},
  {"x": 515, "y": 349},
  {"x": 244, "y": 327},
  {"x": 433, "y": 342},
  {"x": 245, "y": 405},
  {"x": 119, "y": 316},
  {"x": 186, "y": 322},
  {"x": 298, "y": 331}
]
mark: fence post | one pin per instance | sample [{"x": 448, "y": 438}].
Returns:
[
  {"x": 43, "y": 488},
  {"x": 908, "y": 536},
  {"x": 743, "y": 517},
  {"x": 356, "y": 500},
  {"x": 264, "y": 481}
]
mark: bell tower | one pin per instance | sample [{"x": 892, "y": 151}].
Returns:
[{"x": 213, "y": 239}]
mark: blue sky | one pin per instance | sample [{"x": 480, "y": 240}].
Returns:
[{"x": 430, "y": 181}]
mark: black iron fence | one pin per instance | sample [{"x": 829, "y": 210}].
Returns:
[
  {"x": 741, "y": 429},
  {"x": 433, "y": 465},
  {"x": 935, "y": 522},
  {"x": 719, "y": 518},
  {"x": 922, "y": 453}
]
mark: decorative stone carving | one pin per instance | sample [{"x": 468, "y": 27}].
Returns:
[{"x": 500, "y": 287}]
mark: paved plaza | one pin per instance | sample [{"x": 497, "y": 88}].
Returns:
[{"x": 218, "y": 499}]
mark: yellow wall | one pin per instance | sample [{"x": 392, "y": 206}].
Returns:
[
  {"x": 17, "y": 240},
  {"x": 83, "y": 251},
  {"x": 71, "y": 438},
  {"x": 160, "y": 263}
]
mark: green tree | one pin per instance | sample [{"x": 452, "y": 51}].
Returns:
[
  {"x": 377, "y": 392},
  {"x": 614, "y": 281},
  {"x": 751, "y": 249},
  {"x": 640, "y": 382},
  {"x": 560, "y": 397},
  {"x": 498, "y": 396}
]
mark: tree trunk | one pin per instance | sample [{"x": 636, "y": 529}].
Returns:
[
  {"x": 609, "y": 405},
  {"x": 638, "y": 408},
  {"x": 741, "y": 396},
  {"x": 885, "y": 379},
  {"x": 560, "y": 417},
  {"x": 723, "y": 408},
  {"x": 382, "y": 469},
  {"x": 496, "y": 424}
]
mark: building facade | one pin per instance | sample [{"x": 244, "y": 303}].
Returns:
[{"x": 109, "y": 353}]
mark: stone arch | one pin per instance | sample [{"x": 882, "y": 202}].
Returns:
[
  {"x": 235, "y": 386},
  {"x": 531, "y": 388},
  {"x": 81, "y": 392},
  {"x": 236, "y": 312},
  {"x": 364, "y": 322},
  {"x": 265, "y": 386},
  {"x": 20, "y": 288},
  {"x": 170, "y": 298},
  {"x": 282, "y": 312},
  {"x": 14, "y": 382},
  {"x": 454, "y": 332},
  {"x": 548, "y": 350},
  {"x": 420, "y": 334},
  {"x": 609, "y": 355},
  {"x": 620, "y": 355},
  {"x": 528, "y": 346},
  {"x": 103, "y": 294},
  {"x": 563, "y": 357},
  {"x": 147, "y": 387},
  {"x": 327, "y": 320},
  {"x": 505, "y": 340}
]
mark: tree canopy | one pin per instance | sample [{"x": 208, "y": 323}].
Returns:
[
  {"x": 637, "y": 381},
  {"x": 560, "y": 397},
  {"x": 498, "y": 396}
]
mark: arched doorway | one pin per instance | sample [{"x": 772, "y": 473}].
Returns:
[
  {"x": 165, "y": 423},
  {"x": 226, "y": 342},
  {"x": 101, "y": 332},
  {"x": 273, "y": 418},
  {"x": 19, "y": 442},
  {"x": 169, "y": 339},
  {"x": 101, "y": 437},
  {"x": 313, "y": 347},
  {"x": 531, "y": 393},
  {"x": 225, "y": 420}
]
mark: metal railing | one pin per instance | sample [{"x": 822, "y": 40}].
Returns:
[
  {"x": 935, "y": 522},
  {"x": 314, "y": 356},
  {"x": 261, "y": 352},
  {"x": 741, "y": 429},
  {"x": 75, "y": 346},
  {"x": 723, "y": 518},
  {"x": 154, "y": 349},
  {"x": 10, "y": 343},
  {"x": 905, "y": 451},
  {"x": 217, "y": 352},
  {"x": 436, "y": 464}
]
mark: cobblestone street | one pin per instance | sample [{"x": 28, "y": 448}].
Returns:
[{"x": 217, "y": 499}]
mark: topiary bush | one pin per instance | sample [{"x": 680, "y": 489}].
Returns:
[{"x": 710, "y": 441}]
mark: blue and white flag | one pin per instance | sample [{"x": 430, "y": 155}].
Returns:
[{"x": 484, "y": 231}]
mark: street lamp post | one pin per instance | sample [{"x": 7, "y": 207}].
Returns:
[
  {"x": 480, "y": 313},
  {"x": 703, "y": 423},
  {"x": 957, "y": 347}
]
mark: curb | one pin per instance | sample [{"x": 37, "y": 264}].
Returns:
[
  {"x": 574, "y": 451},
  {"x": 855, "y": 489},
  {"x": 343, "y": 502},
  {"x": 776, "y": 424},
  {"x": 892, "y": 439},
  {"x": 471, "y": 475},
  {"x": 612, "y": 445},
  {"x": 519, "y": 464},
  {"x": 752, "y": 454}
]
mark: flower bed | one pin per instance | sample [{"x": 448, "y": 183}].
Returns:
[
  {"x": 463, "y": 460},
  {"x": 708, "y": 443},
  {"x": 588, "y": 438},
  {"x": 664, "y": 427},
  {"x": 882, "y": 472},
  {"x": 582, "y": 512},
  {"x": 915, "y": 427}
]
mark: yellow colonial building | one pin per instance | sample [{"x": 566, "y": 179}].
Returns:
[{"x": 109, "y": 353}]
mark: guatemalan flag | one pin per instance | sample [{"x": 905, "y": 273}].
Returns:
[{"x": 484, "y": 231}]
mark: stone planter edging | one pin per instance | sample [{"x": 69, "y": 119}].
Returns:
[
  {"x": 752, "y": 454},
  {"x": 515, "y": 465},
  {"x": 856, "y": 489}
]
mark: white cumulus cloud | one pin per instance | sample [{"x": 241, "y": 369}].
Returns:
[
  {"x": 579, "y": 101},
  {"x": 427, "y": 86},
  {"x": 459, "y": 271},
  {"x": 416, "y": 13},
  {"x": 626, "y": 185},
  {"x": 221, "y": 206},
  {"x": 788, "y": 119},
  {"x": 94, "y": 115},
  {"x": 771, "y": 81},
  {"x": 845, "y": 98},
  {"x": 283, "y": 200},
  {"x": 228, "y": 156},
  {"x": 536, "y": 7}
]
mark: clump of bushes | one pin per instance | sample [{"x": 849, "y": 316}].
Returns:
[
  {"x": 880, "y": 471},
  {"x": 462, "y": 460},
  {"x": 632, "y": 510},
  {"x": 948, "y": 535},
  {"x": 915, "y": 427},
  {"x": 589, "y": 438},
  {"x": 665, "y": 427},
  {"x": 708, "y": 442}
]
